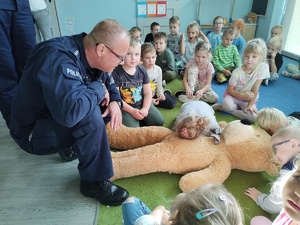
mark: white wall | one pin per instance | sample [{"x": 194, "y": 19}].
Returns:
[{"x": 76, "y": 16}]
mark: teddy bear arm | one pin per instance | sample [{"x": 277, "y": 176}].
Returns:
[
  {"x": 132, "y": 137},
  {"x": 217, "y": 172}
]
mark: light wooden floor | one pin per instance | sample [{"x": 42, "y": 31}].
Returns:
[{"x": 40, "y": 190}]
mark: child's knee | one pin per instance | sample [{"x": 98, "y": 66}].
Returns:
[{"x": 193, "y": 70}]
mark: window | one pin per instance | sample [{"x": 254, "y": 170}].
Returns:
[{"x": 291, "y": 31}]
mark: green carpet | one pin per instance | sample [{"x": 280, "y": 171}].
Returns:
[{"x": 161, "y": 188}]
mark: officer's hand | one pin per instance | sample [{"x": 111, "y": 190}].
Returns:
[
  {"x": 105, "y": 101},
  {"x": 116, "y": 116}
]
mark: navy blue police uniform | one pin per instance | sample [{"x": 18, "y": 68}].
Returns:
[
  {"x": 17, "y": 37},
  {"x": 57, "y": 106}
]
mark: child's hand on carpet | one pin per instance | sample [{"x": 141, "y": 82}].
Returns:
[{"x": 252, "y": 193}]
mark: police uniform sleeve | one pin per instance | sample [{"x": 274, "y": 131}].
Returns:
[{"x": 67, "y": 97}]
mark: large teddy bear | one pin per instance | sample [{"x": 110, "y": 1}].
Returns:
[{"x": 200, "y": 161}]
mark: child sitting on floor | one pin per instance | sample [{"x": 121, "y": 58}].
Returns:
[
  {"x": 226, "y": 57},
  {"x": 215, "y": 36},
  {"x": 174, "y": 40},
  {"x": 198, "y": 76},
  {"x": 238, "y": 26},
  {"x": 207, "y": 204},
  {"x": 133, "y": 83},
  {"x": 160, "y": 97},
  {"x": 165, "y": 58},
  {"x": 286, "y": 190},
  {"x": 270, "y": 119},
  {"x": 274, "y": 58},
  {"x": 154, "y": 28},
  {"x": 286, "y": 146},
  {"x": 242, "y": 93},
  {"x": 194, "y": 36}
]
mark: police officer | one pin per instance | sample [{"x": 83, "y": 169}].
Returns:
[
  {"x": 64, "y": 99},
  {"x": 17, "y": 39}
]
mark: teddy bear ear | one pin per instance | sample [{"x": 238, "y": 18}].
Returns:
[{"x": 236, "y": 132}]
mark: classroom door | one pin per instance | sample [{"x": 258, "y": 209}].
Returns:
[
  {"x": 172, "y": 10},
  {"x": 55, "y": 29}
]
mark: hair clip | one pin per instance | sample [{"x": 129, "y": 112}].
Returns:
[
  {"x": 205, "y": 212},
  {"x": 225, "y": 199}
]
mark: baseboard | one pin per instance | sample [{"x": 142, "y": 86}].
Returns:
[{"x": 290, "y": 55}]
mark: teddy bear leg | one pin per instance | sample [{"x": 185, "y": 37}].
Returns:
[
  {"x": 215, "y": 173},
  {"x": 145, "y": 160},
  {"x": 131, "y": 137}
]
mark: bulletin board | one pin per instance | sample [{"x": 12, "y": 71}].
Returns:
[
  {"x": 260, "y": 7},
  {"x": 151, "y": 9}
]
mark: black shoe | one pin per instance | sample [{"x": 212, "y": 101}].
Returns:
[
  {"x": 168, "y": 92},
  {"x": 105, "y": 192},
  {"x": 177, "y": 93},
  {"x": 265, "y": 82},
  {"x": 68, "y": 154}
]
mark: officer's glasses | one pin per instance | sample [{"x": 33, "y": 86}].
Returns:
[{"x": 121, "y": 58}]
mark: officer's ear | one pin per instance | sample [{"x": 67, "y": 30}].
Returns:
[{"x": 100, "y": 49}]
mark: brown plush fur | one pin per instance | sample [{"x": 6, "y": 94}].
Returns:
[{"x": 200, "y": 161}]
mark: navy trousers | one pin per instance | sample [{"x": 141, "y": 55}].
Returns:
[
  {"x": 88, "y": 138},
  {"x": 17, "y": 39}
]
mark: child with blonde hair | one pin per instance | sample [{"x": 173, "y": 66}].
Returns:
[
  {"x": 210, "y": 204},
  {"x": 286, "y": 147},
  {"x": 242, "y": 93},
  {"x": 198, "y": 76},
  {"x": 286, "y": 191},
  {"x": 274, "y": 58},
  {"x": 194, "y": 35},
  {"x": 270, "y": 119},
  {"x": 277, "y": 30},
  {"x": 133, "y": 84},
  {"x": 160, "y": 97},
  {"x": 238, "y": 25},
  {"x": 136, "y": 33}
]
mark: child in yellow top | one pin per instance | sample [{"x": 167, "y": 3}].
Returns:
[{"x": 133, "y": 83}]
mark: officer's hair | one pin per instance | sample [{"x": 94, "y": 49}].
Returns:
[{"x": 106, "y": 31}]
